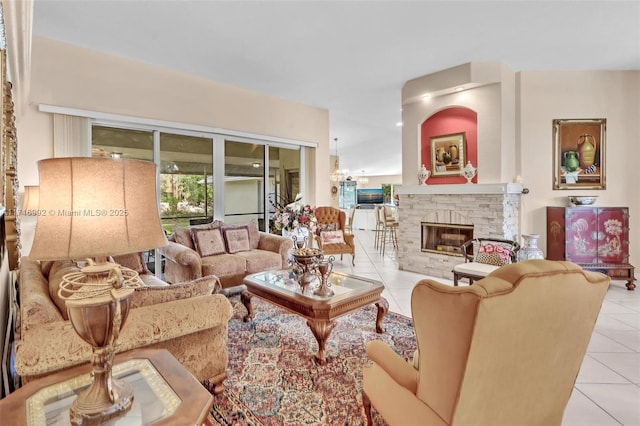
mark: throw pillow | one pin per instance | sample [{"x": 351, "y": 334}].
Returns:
[
  {"x": 208, "y": 242},
  {"x": 254, "y": 232},
  {"x": 143, "y": 296},
  {"x": 332, "y": 237},
  {"x": 490, "y": 259},
  {"x": 237, "y": 239},
  {"x": 324, "y": 227},
  {"x": 182, "y": 235},
  {"x": 493, "y": 254},
  {"x": 134, "y": 261}
]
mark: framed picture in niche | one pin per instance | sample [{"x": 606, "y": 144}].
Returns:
[
  {"x": 448, "y": 154},
  {"x": 579, "y": 153}
]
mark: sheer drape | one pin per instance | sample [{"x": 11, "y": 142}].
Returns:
[{"x": 71, "y": 136}]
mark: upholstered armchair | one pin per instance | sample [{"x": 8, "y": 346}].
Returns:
[
  {"x": 331, "y": 237},
  {"x": 504, "y": 351}
]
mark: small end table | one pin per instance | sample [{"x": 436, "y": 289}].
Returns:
[{"x": 165, "y": 393}]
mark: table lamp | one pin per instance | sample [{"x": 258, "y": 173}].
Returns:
[
  {"x": 31, "y": 200},
  {"x": 92, "y": 208}
]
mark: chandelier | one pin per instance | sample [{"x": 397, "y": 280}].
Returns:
[
  {"x": 337, "y": 175},
  {"x": 363, "y": 180}
]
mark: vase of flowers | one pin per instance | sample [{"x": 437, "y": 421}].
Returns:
[{"x": 296, "y": 218}]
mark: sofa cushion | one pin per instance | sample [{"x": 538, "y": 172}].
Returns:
[
  {"x": 150, "y": 280},
  {"x": 261, "y": 260},
  {"x": 36, "y": 305},
  {"x": 236, "y": 239},
  {"x": 58, "y": 270},
  {"x": 182, "y": 235},
  {"x": 332, "y": 237},
  {"x": 46, "y": 267},
  {"x": 475, "y": 268},
  {"x": 143, "y": 296},
  {"x": 223, "y": 265},
  {"x": 133, "y": 261},
  {"x": 208, "y": 242}
]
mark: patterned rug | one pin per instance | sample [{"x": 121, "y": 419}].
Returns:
[{"x": 273, "y": 379}]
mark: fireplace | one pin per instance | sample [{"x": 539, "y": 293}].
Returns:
[
  {"x": 488, "y": 210},
  {"x": 444, "y": 238}
]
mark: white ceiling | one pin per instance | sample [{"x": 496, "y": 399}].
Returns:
[{"x": 350, "y": 57}]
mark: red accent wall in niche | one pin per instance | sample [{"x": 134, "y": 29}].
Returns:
[{"x": 450, "y": 120}]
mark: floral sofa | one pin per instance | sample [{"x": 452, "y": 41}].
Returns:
[
  {"x": 230, "y": 252},
  {"x": 187, "y": 319}
]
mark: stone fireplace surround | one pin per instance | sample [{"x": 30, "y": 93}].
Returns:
[{"x": 493, "y": 210}]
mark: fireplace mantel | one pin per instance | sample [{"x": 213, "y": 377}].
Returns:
[{"x": 481, "y": 188}]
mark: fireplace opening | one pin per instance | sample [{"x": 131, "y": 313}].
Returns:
[{"x": 445, "y": 238}]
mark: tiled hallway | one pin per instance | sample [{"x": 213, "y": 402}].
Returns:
[{"x": 607, "y": 391}]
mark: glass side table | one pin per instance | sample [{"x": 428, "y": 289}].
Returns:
[
  {"x": 165, "y": 393},
  {"x": 153, "y": 398}
]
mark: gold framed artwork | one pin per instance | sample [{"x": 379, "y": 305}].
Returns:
[
  {"x": 448, "y": 154},
  {"x": 579, "y": 153}
]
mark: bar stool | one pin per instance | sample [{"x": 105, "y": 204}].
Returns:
[{"x": 386, "y": 226}]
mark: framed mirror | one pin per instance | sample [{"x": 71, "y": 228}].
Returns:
[
  {"x": 579, "y": 147},
  {"x": 448, "y": 154}
]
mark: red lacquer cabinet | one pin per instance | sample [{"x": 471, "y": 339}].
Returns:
[{"x": 596, "y": 238}]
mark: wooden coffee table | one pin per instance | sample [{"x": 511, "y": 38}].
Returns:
[
  {"x": 164, "y": 393},
  {"x": 350, "y": 293}
]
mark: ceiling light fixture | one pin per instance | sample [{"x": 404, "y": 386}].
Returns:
[
  {"x": 336, "y": 175},
  {"x": 363, "y": 180},
  {"x": 399, "y": 124},
  {"x": 255, "y": 165}
]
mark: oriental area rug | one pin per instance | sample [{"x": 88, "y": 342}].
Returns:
[{"x": 272, "y": 378}]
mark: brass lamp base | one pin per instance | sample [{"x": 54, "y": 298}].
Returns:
[
  {"x": 93, "y": 407},
  {"x": 98, "y": 302}
]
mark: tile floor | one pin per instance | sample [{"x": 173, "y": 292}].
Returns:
[{"x": 607, "y": 391}]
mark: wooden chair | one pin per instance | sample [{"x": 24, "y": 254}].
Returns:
[
  {"x": 348, "y": 227},
  {"x": 483, "y": 256},
  {"x": 331, "y": 237}
]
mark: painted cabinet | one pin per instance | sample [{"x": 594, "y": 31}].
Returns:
[{"x": 596, "y": 238}]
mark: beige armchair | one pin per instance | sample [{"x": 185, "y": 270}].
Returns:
[{"x": 505, "y": 351}]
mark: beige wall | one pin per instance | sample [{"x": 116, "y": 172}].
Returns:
[
  {"x": 74, "y": 77},
  {"x": 515, "y": 138},
  {"x": 613, "y": 95}
]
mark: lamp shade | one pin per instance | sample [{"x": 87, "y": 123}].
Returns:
[
  {"x": 94, "y": 207},
  {"x": 31, "y": 200}
]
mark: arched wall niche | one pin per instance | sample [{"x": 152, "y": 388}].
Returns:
[{"x": 446, "y": 121}]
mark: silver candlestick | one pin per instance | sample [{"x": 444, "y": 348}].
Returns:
[{"x": 324, "y": 268}]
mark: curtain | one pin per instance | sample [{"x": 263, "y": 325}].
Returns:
[{"x": 71, "y": 136}]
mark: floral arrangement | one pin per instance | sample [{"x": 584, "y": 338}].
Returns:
[{"x": 293, "y": 216}]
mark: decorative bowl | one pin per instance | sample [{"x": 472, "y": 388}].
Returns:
[{"x": 582, "y": 200}]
